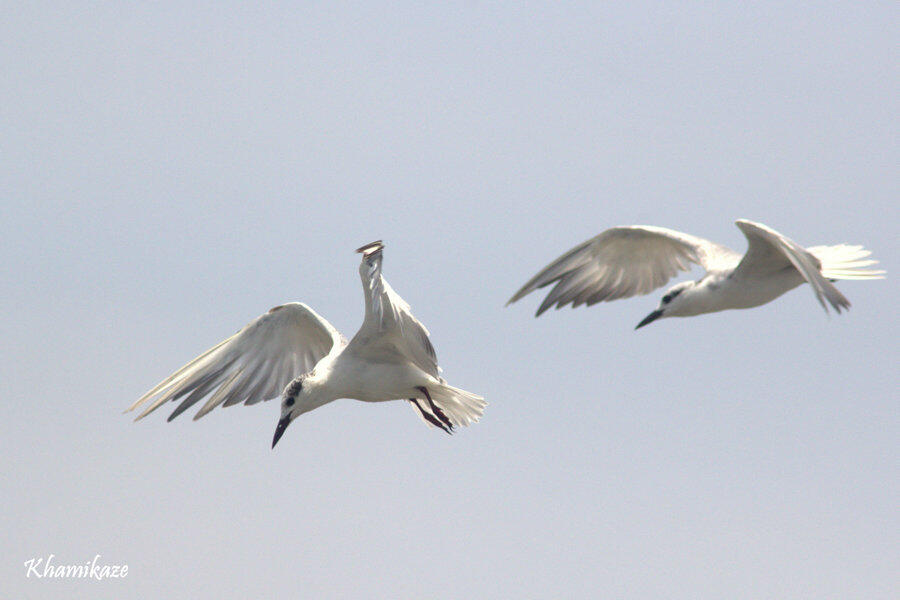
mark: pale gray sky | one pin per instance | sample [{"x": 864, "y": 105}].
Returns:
[{"x": 170, "y": 172}]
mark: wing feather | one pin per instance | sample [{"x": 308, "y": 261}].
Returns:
[
  {"x": 389, "y": 324},
  {"x": 769, "y": 251},
  {"x": 253, "y": 365},
  {"x": 622, "y": 262}
]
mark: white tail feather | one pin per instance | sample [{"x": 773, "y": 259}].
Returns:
[
  {"x": 460, "y": 406},
  {"x": 845, "y": 262}
]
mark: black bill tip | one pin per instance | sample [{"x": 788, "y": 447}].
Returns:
[
  {"x": 650, "y": 318},
  {"x": 280, "y": 429}
]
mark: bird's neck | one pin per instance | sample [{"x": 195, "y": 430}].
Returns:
[
  {"x": 314, "y": 395},
  {"x": 702, "y": 297},
  {"x": 319, "y": 387}
]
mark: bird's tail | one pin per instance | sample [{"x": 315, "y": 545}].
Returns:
[
  {"x": 845, "y": 262},
  {"x": 460, "y": 407}
]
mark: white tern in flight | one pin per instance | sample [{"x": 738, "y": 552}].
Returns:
[
  {"x": 627, "y": 261},
  {"x": 293, "y": 352}
]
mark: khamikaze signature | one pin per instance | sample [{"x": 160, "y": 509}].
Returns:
[{"x": 92, "y": 569}]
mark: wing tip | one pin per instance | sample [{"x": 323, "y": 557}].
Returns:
[
  {"x": 516, "y": 297},
  {"x": 137, "y": 404},
  {"x": 370, "y": 248},
  {"x": 137, "y": 418}
]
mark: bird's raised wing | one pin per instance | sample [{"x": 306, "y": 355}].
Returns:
[
  {"x": 254, "y": 364},
  {"x": 389, "y": 325},
  {"x": 622, "y": 262},
  {"x": 769, "y": 252}
]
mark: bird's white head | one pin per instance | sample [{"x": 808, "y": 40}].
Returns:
[
  {"x": 674, "y": 303},
  {"x": 294, "y": 402}
]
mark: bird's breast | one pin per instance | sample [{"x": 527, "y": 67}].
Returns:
[
  {"x": 748, "y": 293},
  {"x": 374, "y": 381}
]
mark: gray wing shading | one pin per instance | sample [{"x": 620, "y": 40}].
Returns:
[
  {"x": 389, "y": 325},
  {"x": 254, "y": 364},
  {"x": 622, "y": 262},
  {"x": 769, "y": 252}
]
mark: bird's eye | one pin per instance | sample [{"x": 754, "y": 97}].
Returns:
[{"x": 289, "y": 402}]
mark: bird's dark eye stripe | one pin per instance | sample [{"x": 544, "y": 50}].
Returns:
[
  {"x": 289, "y": 401},
  {"x": 668, "y": 297}
]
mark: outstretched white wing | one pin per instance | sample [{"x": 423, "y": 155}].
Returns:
[
  {"x": 622, "y": 262},
  {"x": 254, "y": 364},
  {"x": 389, "y": 326},
  {"x": 769, "y": 252}
]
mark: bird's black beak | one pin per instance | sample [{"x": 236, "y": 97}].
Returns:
[
  {"x": 279, "y": 431},
  {"x": 650, "y": 318}
]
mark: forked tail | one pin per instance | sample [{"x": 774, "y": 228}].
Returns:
[{"x": 846, "y": 262}]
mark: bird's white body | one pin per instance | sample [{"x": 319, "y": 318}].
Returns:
[
  {"x": 631, "y": 260},
  {"x": 347, "y": 376},
  {"x": 294, "y": 352},
  {"x": 717, "y": 292}
]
